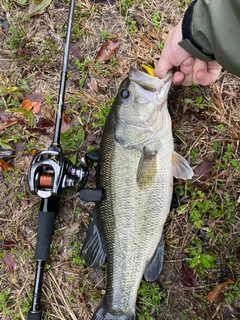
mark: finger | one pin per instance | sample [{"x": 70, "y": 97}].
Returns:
[
  {"x": 188, "y": 79},
  {"x": 209, "y": 76},
  {"x": 200, "y": 69},
  {"x": 187, "y": 65},
  {"x": 164, "y": 64},
  {"x": 178, "y": 78}
]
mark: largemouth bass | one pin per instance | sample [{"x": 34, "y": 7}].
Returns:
[{"x": 136, "y": 168}]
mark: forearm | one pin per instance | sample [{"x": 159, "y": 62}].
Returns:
[{"x": 211, "y": 32}]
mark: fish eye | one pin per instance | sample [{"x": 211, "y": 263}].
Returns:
[{"x": 125, "y": 93}]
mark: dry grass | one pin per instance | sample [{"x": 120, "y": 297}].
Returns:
[{"x": 70, "y": 290}]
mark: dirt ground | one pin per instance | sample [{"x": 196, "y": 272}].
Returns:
[{"x": 206, "y": 132}]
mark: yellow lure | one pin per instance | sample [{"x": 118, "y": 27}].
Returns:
[{"x": 148, "y": 70}]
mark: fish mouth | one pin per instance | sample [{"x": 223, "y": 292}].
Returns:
[
  {"x": 149, "y": 82},
  {"x": 150, "y": 88}
]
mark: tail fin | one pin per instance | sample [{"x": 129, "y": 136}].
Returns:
[{"x": 101, "y": 314}]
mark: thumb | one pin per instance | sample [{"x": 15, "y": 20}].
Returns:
[{"x": 164, "y": 64}]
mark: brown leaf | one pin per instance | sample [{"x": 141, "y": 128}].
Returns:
[
  {"x": 65, "y": 122},
  {"x": 4, "y": 165},
  {"x": 9, "y": 261},
  {"x": 200, "y": 115},
  {"x": 93, "y": 85},
  {"x": 76, "y": 51},
  {"x": 44, "y": 123},
  {"x": 8, "y": 123},
  {"x": 35, "y": 96},
  {"x": 204, "y": 169},
  {"x": 108, "y": 49},
  {"x": 20, "y": 147},
  {"x": 7, "y": 244},
  {"x": 97, "y": 276},
  {"x": 4, "y": 115},
  {"x": 187, "y": 275},
  {"x": 218, "y": 289}
]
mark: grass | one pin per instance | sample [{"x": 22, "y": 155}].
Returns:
[
  {"x": 203, "y": 231},
  {"x": 149, "y": 299}
]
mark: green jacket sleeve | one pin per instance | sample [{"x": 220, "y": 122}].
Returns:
[{"x": 211, "y": 31}]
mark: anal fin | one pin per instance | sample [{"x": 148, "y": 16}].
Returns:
[
  {"x": 93, "y": 249},
  {"x": 154, "y": 267}
]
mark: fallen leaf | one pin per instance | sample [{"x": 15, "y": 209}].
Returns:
[
  {"x": 218, "y": 289},
  {"x": 93, "y": 85},
  {"x": 8, "y": 123},
  {"x": 31, "y": 105},
  {"x": 7, "y": 244},
  {"x": 97, "y": 276},
  {"x": 200, "y": 115},
  {"x": 204, "y": 169},
  {"x": 76, "y": 51},
  {"x": 35, "y": 96},
  {"x": 33, "y": 101},
  {"x": 9, "y": 261},
  {"x": 32, "y": 152},
  {"x": 65, "y": 122},
  {"x": 5, "y": 115},
  {"x": 20, "y": 147},
  {"x": 108, "y": 49},
  {"x": 187, "y": 275},
  {"x": 41, "y": 131},
  {"x": 4, "y": 165},
  {"x": 44, "y": 123}
]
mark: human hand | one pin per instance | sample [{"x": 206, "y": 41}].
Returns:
[{"x": 188, "y": 70}]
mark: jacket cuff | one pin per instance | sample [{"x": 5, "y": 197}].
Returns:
[{"x": 187, "y": 45}]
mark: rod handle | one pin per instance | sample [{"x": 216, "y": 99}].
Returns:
[
  {"x": 34, "y": 315},
  {"x": 44, "y": 234}
]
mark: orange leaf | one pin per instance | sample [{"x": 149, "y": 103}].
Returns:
[
  {"x": 31, "y": 105},
  {"x": 65, "y": 122},
  {"x": 108, "y": 49},
  {"x": 32, "y": 152},
  {"x": 218, "y": 289},
  {"x": 4, "y": 165}
]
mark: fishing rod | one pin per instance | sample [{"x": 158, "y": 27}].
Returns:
[{"x": 48, "y": 175}]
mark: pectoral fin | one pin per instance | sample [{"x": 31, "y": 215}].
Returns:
[
  {"x": 154, "y": 267},
  {"x": 93, "y": 249},
  {"x": 147, "y": 169},
  {"x": 180, "y": 167}
]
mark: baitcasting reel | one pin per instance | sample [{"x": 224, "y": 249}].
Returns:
[{"x": 50, "y": 172}]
